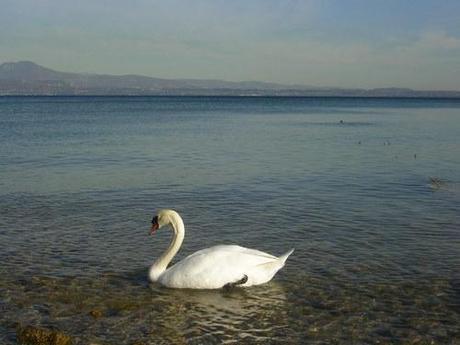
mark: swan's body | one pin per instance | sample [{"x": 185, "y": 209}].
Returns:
[{"x": 211, "y": 268}]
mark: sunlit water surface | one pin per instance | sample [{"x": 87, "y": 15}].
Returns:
[{"x": 367, "y": 191}]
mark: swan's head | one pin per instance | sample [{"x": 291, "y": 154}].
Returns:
[{"x": 163, "y": 217}]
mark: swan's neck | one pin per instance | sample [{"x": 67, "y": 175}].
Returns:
[{"x": 160, "y": 265}]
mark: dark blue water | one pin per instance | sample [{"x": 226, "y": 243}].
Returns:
[{"x": 366, "y": 190}]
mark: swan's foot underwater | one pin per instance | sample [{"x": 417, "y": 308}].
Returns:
[{"x": 229, "y": 286}]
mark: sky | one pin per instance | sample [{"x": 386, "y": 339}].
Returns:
[{"x": 327, "y": 43}]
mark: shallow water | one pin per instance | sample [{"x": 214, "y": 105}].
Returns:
[{"x": 347, "y": 182}]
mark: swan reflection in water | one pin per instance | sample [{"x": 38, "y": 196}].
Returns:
[{"x": 256, "y": 314}]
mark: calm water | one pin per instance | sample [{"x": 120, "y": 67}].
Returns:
[{"x": 366, "y": 190}]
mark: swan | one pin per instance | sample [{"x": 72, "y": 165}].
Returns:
[{"x": 211, "y": 268}]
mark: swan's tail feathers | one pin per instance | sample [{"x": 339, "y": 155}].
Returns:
[
  {"x": 270, "y": 268},
  {"x": 284, "y": 257}
]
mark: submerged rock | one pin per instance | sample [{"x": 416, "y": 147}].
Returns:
[
  {"x": 30, "y": 335},
  {"x": 96, "y": 313}
]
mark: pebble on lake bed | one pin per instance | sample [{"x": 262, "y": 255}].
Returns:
[
  {"x": 30, "y": 335},
  {"x": 96, "y": 313}
]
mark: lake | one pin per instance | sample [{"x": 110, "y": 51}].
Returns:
[{"x": 366, "y": 190}]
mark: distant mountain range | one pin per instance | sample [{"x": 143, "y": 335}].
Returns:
[{"x": 28, "y": 78}]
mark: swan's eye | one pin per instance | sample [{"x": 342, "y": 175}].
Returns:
[{"x": 155, "y": 220}]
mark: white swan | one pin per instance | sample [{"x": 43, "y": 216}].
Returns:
[{"x": 210, "y": 268}]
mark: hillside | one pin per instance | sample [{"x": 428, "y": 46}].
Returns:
[{"x": 28, "y": 78}]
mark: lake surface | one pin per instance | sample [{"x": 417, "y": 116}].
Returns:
[{"x": 367, "y": 191}]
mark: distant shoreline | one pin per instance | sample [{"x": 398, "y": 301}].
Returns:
[{"x": 26, "y": 78}]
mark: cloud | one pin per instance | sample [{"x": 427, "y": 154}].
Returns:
[
  {"x": 292, "y": 41},
  {"x": 438, "y": 40}
]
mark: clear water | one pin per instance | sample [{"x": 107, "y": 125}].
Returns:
[{"x": 366, "y": 190}]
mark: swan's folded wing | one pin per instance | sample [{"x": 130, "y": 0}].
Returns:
[
  {"x": 215, "y": 267},
  {"x": 233, "y": 248}
]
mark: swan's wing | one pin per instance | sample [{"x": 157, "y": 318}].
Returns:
[
  {"x": 217, "y": 266},
  {"x": 237, "y": 250}
]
